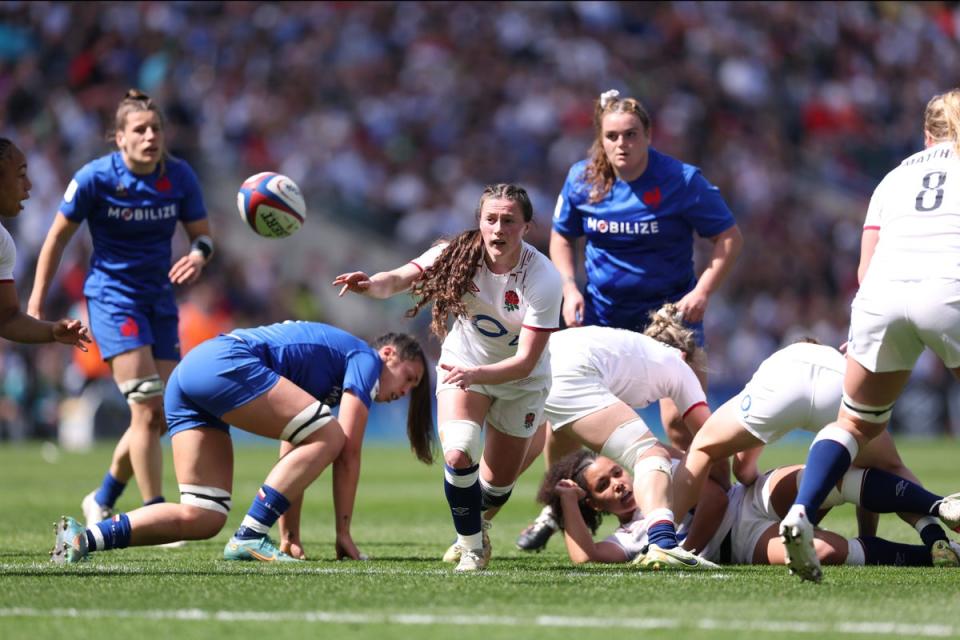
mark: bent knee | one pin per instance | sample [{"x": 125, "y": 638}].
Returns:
[
  {"x": 200, "y": 524},
  {"x": 458, "y": 459}
]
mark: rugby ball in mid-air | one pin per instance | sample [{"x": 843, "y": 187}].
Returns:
[{"x": 271, "y": 204}]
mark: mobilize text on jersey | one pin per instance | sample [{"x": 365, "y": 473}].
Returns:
[
  {"x": 145, "y": 213},
  {"x": 623, "y": 226}
]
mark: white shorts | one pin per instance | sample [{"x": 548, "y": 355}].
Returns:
[
  {"x": 754, "y": 517},
  {"x": 517, "y": 407},
  {"x": 892, "y": 322},
  {"x": 780, "y": 399},
  {"x": 575, "y": 394}
]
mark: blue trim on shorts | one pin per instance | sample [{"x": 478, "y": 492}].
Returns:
[
  {"x": 119, "y": 328},
  {"x": 216, "y": 377}
]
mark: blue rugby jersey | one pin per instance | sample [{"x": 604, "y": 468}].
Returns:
[
  {"x": 322, "y": 360},
  {"x": 639, "y": 239},
  {"x": 132, "y": 219}
]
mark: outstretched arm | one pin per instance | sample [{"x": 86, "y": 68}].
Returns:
[
  {"x": 17, "y": 326},
  {"x": 379, "y": 285}
]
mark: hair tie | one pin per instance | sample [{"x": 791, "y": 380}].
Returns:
[{"x": 607, "y": 97}]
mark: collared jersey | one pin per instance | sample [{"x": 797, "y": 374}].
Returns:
[
  {"x": 639, "y": 238},
  {"x": 916, "y": 209},
  {"x": 499, "y": 305},
  {"x": 132, "y": 219},
  {"x": 322, "y": 360}
]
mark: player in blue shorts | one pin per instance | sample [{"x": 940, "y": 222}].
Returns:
[
  {"x": 278, "y": 381},
  {"x": 132, "y": 200},
  {"x": 638, "y": 210},
  {"x": 14, "y": 324}
]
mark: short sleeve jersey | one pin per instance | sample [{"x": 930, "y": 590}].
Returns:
[
  {"x": 637, "y": 369},
  {"x": 916, "y": 209},
  {"x": 639, "y": 238},
  {"x": 323, "y": 360},
  {"x": 8, "y": 255},
  {"x": 132, "y": 219},
  {"x": 498, "y": 306}
]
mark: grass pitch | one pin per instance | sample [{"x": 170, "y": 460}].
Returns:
[{"x": 402, "y": 522}]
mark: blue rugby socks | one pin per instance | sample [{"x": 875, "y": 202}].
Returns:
[
  {"x": 110, "y": 489},
  {"x": 268, "y": 505}
]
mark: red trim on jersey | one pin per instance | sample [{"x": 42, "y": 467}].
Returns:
[
  {"x": 695, "y": 405},
  {"x": 539, "y": 328},
  {"x": 874, "y": 227},
  {"x": 417, "y": 266}
]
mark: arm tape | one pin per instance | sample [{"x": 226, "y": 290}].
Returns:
[{"x": 203, "y": 244}]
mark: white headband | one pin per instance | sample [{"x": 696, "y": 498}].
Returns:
[{"x": 607, "y": 97}]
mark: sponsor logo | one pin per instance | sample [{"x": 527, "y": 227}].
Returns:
[
  {"x": 460, "y": 511},
  {"x": 745, "y": 402},
  {"x": 120, "y": 190},
  {"x": 140, "y": 214},
  {"x": 901, "y": 487},
  {"x": 627, "y": 227},
  {"x": 528, "y": 420},
  {"x": 511, "y": 301}
]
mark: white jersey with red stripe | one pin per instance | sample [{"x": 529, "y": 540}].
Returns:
[
  {"x": 498, "y": 306},
  {"x": 8, "y": 255},
  {"x": 635, "y": 368},
  {"x": 916, "y": 209}
]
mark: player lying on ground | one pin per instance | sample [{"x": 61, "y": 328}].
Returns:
[
  {"x": 583, "y": 487},
  {"x": 799, "y": 387},
  {"x": 277, "y": 381}
]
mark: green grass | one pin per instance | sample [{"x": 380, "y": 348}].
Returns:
[{"x": 402, "y": 522}]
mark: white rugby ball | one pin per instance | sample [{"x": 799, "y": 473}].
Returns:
[{"x": 271, "y": 204}]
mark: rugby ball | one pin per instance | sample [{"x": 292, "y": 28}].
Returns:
[{"x": 271, "y": 204}]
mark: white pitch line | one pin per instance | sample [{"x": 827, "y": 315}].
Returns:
[{"x": 427, "y": 619}]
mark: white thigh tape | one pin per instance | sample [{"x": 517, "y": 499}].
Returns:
[
  {"x": 210, "y": 498},
  {"x": 306, "y": 422},
  {"x": 628, "y": 442}
]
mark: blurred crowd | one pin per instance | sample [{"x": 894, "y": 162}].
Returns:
[{"x": 392, "y": 115}]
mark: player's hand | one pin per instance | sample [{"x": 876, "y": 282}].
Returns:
[
  {"x": 69, "y": 331},
  {"x": 187, "y": 269},
  {"x": 346, "y": 550},
  {"x": 573, "y": 308},
  {"x": 293, "y": 547},
  {"x": 463, "y": 377},
  {"x": 567, "y": 487},
  {"x": 356, "y": 281},
  {"x": 693, "y": 306}
]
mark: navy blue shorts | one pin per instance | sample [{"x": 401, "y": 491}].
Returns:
[{"x": 216, "y": 377}]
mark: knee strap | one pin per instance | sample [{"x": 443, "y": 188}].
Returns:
[
  {"x": 462, "y": 435},
  {"x": 312, "y": 418},
  {"x": 210, "y": 498},
  {"x": 628, "y": 442},
  {"x": 140, "y": 390},
  {"x": 865, "y": 412},
  {"x": 652, "y": 464}
]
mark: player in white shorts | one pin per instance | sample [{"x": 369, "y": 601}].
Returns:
[
  {"x": 583, "y": 487},
  {"x": 798, "y": 387},
  {"x": 909, "y": 299},
  {"x": 494, "y": 366}
]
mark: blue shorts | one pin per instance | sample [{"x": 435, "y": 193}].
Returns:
[
  {"x": 216, "y": 377},
  {"x": 121, "y": 328}
]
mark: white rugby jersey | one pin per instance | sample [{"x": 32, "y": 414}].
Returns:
[
  {"x": 916, "y": 209},
  {"x": 637, "y": 369},
  {"x": 499, "y": 305},
  {"x": 8, "y": 255}
]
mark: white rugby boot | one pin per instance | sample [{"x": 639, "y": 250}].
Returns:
[
  {"x": 454, "y": 551},
  {"x": 93, "y": 511},
  {"x": 796, "y": 532},
  {"x": 472, "y": 560}
]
